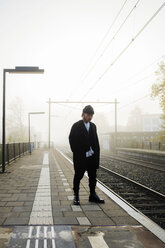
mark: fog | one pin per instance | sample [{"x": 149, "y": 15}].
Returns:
[{"x": 62, "y": 37}]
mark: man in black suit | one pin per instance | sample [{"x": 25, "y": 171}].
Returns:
[{"x": 84, "y": 144}]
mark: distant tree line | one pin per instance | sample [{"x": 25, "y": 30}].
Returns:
[{"x": 158, "y": 89}]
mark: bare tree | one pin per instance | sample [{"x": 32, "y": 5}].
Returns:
[
  {"x": 16, "y": 130},
  {"x": 158, "y": 89}
]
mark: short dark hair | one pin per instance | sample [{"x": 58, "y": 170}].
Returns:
[{"x": 88, "y": 110}]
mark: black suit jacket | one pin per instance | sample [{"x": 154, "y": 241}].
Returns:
[{"x": 80, "y": 141}]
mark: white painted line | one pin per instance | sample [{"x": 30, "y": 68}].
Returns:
[
  {"x": 36, "y": 243},
  {"x": 38, "y": 231},
  {"x": 30, "y": 232},
  {"x": 136, "y": 214},
  {"x": 46, "y": 158},
  {"x": 53, "y": 243},
  {"x": 28, "y": 243},
  {"x": 42, "y": 208},
  {"x": 53, "y": 237},
  {"x": 65, "y": 156},
  {"x": 45, "y": 231},
  {"x": 52, "y": 229},
  {"x": 97, "y": 242},
  {"x": 45, "y": 243}
]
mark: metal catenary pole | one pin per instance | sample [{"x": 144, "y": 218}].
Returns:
[
  {"x": 83, "y": 102},
  {"x": 3, "y": 122}
]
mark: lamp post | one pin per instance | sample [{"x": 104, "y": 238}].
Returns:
[
  {"x": 18, "y": 69},
  {"x": 32, "y": 113}
]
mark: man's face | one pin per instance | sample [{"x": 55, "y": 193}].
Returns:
[{"x": 87, "y": 117}]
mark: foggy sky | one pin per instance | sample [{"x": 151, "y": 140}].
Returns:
[{"x": 61, "y": 37}]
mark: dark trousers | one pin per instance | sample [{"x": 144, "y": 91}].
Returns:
[{"x": 86, "y": 165}]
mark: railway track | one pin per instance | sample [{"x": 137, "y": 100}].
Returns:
[
  {"x": 142, "y": 163},
  {"x": 146, "y": 200}
]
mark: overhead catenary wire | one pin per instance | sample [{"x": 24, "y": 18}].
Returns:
[
  {"x": 65, "y": 105},
  {"x": 110, "y": 42},
  {"x": 134, "y": 101},
  {"x": 139, "y": 80},
  {"x": 132, "y": 84},
  {"x": 108, "y": 31},
  {"x": 103, "y": 39},
  {"x": 123, "y": 51},
  {"x": 136, "y": 82},
  {"x": 140, "y": 32},
  {"x": 130, "y": 103},
  {"x": 146, "y": 67},
  {"x": 106, "y": 34}
]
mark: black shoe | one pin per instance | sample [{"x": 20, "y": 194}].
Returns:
[
  {"x": 94, "y": 198},
  {"x": 76, "y": 200}
]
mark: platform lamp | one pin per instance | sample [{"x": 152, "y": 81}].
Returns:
[
  {"x": 32, "y": 113},
  {"x": 20, "y": 70}
]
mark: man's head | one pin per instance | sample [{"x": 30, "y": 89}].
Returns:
[{"x": 87, "y": 113}]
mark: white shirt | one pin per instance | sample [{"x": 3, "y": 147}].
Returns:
[
  {"x": 87, "y": 125},
  {"x": 90, "y": 152}
]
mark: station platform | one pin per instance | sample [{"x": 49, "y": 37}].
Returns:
[
  {"x": 143, "y": 151},
  {"x": 145, "y": 154},
  {"x": 36, "y": 209}
]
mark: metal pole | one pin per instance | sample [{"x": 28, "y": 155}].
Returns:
[
  {"x": 29, "y": 131},
  {"x": 14, "y": 150},
  {"x": 3, "y": 122},
  {"x": 82, "y": 102},
  {"x": 49, "y": 122},
  {"x": 115, "y": 124},
  {"x": 115, "y": 116},
  {"x": 19, "y": 149},
  {"x": 8, "y": 159}
]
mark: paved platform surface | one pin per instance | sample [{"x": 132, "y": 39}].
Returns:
[
  {"x": 36, "y": 209},
  {"x": 147, "y": 151}
]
